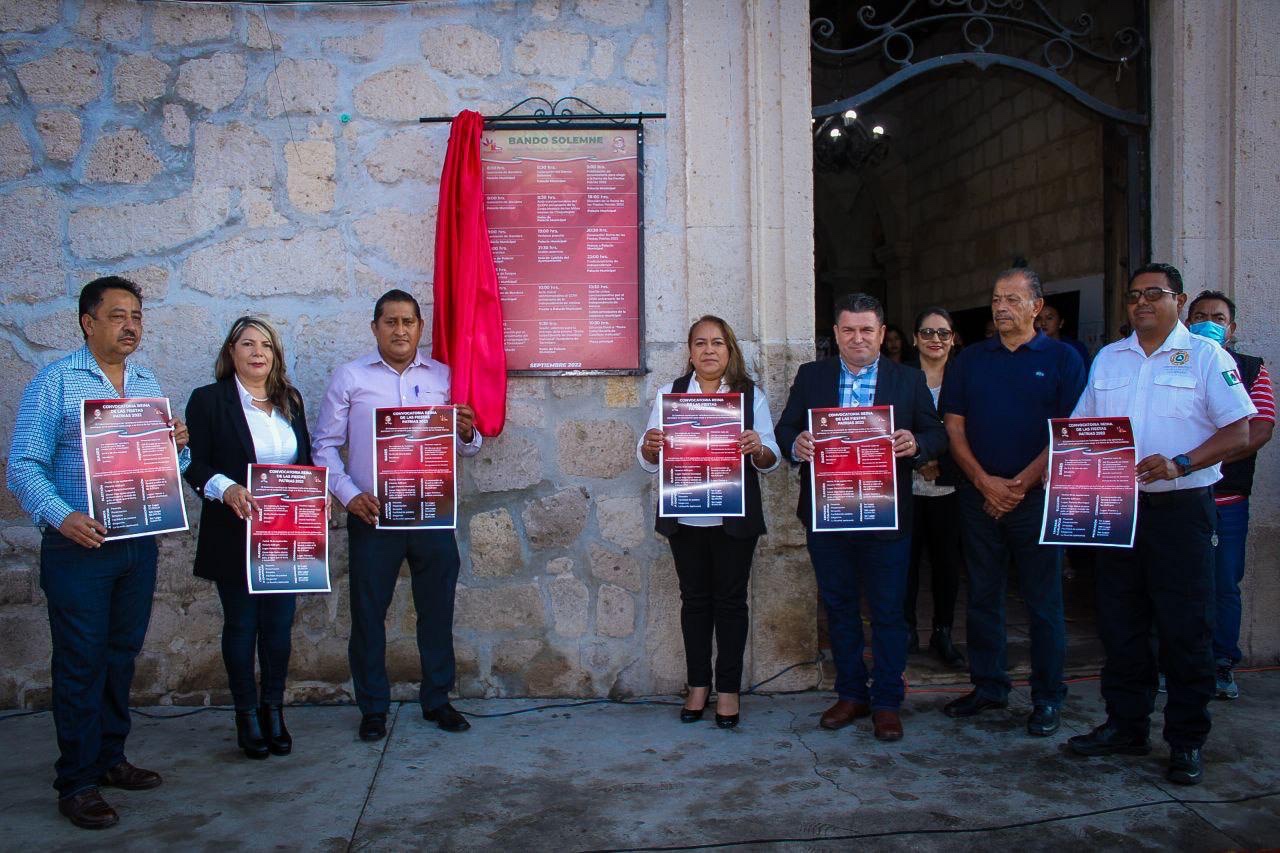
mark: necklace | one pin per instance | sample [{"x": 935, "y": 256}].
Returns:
[{"x": 259, "y": 399}]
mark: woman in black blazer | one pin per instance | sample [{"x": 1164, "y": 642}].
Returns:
[{"x": 251, "y": 414}]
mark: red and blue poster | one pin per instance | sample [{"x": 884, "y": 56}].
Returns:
[
  {"x": 414, "y": 467},
  {"x": 701, "y": 460},
  {"x": 852, "y": 477},
  {"x": 1092, "y": 494},
  {"x": 131, "y": 466},
  {"x": 287, "y": 549}
]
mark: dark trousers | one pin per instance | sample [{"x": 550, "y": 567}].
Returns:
[
  {"x": 1165, "y": 581},
  {"x": 1228, "y": 561},
  {"x": 713, "y": 569},
  {"x": 375, "y": 560},
  {"x": 255, "y": 625},
  {"x": 936, "y": 527},
  {"x": 99, "y": 606},
  {"x": 989, "y": 544},
  {"x": 849, "y": 566}
]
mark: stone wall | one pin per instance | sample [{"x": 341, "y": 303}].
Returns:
[
  {"x": 1023, "y": 164},
  {"x": 200, "y": 150},
  {"x": 1215, "y": 175}
]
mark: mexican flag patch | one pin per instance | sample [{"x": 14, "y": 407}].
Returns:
[{"x": 1232, "y": 376}]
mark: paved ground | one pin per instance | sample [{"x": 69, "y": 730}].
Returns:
[{"x": 610, "y": 776}]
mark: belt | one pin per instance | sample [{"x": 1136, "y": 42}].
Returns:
[{"x": 1173, "y": 497}]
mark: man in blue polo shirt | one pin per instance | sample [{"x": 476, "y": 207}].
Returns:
[{"x": 996, "y": 401}]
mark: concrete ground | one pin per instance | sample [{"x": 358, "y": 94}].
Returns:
[{"x": 610, "y": 776}]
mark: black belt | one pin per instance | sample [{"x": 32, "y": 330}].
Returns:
[{"x": 1173, "y": 497}]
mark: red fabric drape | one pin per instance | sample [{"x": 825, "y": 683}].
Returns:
[{"x": 466, "y": 327}]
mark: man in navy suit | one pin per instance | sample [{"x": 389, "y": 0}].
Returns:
[{"x": 851, "y": 564}]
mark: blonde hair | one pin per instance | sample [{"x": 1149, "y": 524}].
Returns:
[
  {"x": 735, "y": 372},
  {"x": 280, "y": 391}
]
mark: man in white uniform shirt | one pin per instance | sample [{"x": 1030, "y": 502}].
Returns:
[{"x": 1189, "y": 411}]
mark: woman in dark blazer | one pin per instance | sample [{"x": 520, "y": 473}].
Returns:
[
  {"x": 713, "y": 554},
  {"x": 251, "y": 414}
]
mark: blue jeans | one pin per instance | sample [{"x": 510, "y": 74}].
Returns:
[
  {"x": 989, "y": 544},
  {"x": 99, "y": 605},
  {"x": 261, "y": 624},
  {"x": 1228, "y": 558},
  {"x": 849, "y": 566},
  {"x": 376, "y": 557}
]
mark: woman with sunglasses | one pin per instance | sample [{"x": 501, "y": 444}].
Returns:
[
  {"x": 251, "y": 414},
  {"x": 937, "y": 514}
]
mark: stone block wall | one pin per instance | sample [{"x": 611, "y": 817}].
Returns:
[
  {"x": 199, "y": 150},
  {"x": 1024, "y": 165}
]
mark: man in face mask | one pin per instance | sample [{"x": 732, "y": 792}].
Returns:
[{"x": 1213, "y": 315}]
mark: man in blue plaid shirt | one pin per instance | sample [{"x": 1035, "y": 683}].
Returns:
[{"x": 98, "y": 592}]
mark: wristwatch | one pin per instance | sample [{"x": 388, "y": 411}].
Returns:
[{"x": 1184, "y": 464}]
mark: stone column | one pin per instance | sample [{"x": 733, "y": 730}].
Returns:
[
  {"x": 1213, "y": 166},
  {"x": 748, "y": 182}
]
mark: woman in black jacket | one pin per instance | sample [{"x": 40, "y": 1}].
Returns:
[
  {"x": 251, "y": 414},
  {"x": 937, "y": 513},
  {"x": 713, "y": 554}
]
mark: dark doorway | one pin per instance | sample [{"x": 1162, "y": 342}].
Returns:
[{"x": 953, "y": 141}]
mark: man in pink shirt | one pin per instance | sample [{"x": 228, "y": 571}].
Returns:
[{"x": 397, "y": 373}]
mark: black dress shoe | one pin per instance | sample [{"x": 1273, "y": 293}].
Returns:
[
  {"x": 125, "y": 775},
  {"x": 1184, "y": 767},
  {"x": 373, "y": 727},
  {"x": 941, "y": 645},
  {"x": 249, "y": 735},
  {"x": 1044, "y": 720},
  {"x": 1109, "y": 739},
  {"x": 726, "y": 721},
  {"x": 971, "y": 704},
  {"x": 272, "y": 720},
  {"x": 447, "y": 718},
  {"x": 88, "y": 810},
  {"x": 690, "y": 715}
]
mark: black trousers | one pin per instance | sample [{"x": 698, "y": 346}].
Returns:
[
  {"x": 1165, "y": 581},
  {"x": 376, "y": 557},
  {"x": 935, "y": 526},
  {"x": 713, "y": 569},
  {"x": 255, "y": 625}
]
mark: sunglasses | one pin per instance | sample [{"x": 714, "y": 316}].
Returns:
[
  {"x": 1150, "y": 294},
  {"x": 930, "y": 334}
]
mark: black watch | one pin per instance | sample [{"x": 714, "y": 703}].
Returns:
[{"x": 1184, "y": 464}]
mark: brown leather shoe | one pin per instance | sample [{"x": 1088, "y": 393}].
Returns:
[
  {"x": 887, "y": 724},
  {"x": 125, "y": 775},
  {"x": 88, "y": 810},
  {"x": 843, "y": 713}
]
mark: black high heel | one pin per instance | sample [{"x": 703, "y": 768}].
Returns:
[
  {"x": 249, "y": 735},
  {"x": 688, "y": 715},
  {"x": 277, "y": 736},
  {"x": 728, "y": 721}
]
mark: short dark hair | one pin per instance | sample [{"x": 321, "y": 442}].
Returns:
[
  {"x": 91, "y": 295},
  {"x": 1027, "y": 274},
  {"x": 1213, "y": 294},
  {"x": 395, "y": 296},
  {"x": 1169, "y": 271},
  {"x": 859, "y": 303}
]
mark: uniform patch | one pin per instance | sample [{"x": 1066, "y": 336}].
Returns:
[
  {"x": 1232, "y": 376},
  {"x": 1180, "y": 357}
]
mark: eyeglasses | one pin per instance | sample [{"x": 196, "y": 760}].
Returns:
[
  {"x": 930, "y": 334},
  {"x": 1150, "y": 294}
]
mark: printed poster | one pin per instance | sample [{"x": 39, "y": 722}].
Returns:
[
  {"x": 852, "y": 479},
  {"x": 287, "y": 546},
  {"x": 701, "y": 461},
  {"x": 1092, "y": 493},
  {"x": 415, "y": 467},
  {"x": 131, "y": 466}
]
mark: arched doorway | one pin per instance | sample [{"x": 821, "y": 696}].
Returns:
[{"x": 1013, "y": 133}]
